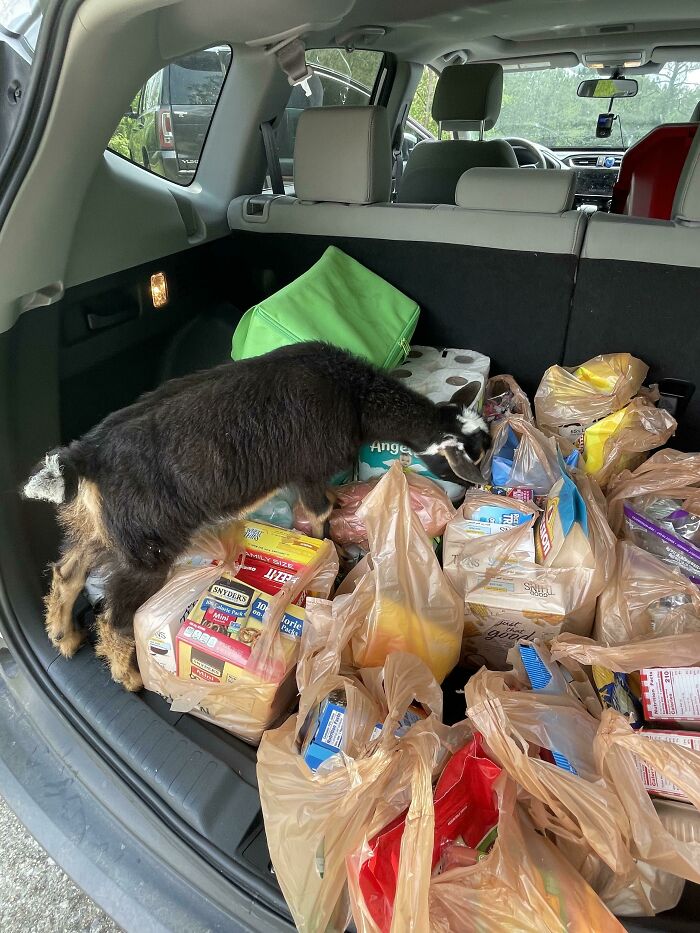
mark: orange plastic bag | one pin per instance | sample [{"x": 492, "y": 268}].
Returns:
[
  {"x": 665, "y": 473},
  {"x": 265, "y": 689},
  {"x": 428, "y": 501},
  {"x": 567, "y": 401},
  {"x": 507, "y": 596},
  {"x": 523, "y": 884},
  {"x": 645, "y": 598},
  {"x": 400, "y": 593},
  {"x": 313, "y": 821},
  {"x": 581, "y": 811}
]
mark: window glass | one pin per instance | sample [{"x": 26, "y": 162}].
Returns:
[
  {"x": 341, "y": 79},
  {"x": 422, "y": 103},
  {"x": 166, "y": 124},
  {"x": 542, "y": 105}
]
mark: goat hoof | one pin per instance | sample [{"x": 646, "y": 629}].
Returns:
[
  {"x": 68, "y": 643},
  {"x": 131, "y": 681}
]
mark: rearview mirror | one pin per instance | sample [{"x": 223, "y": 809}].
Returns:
[{"x": 607, "y": 88}]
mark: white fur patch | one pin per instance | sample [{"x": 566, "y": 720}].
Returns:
[
  {"x": 47, "y": 484},
  {"x": 471, "y": 422},
  {"x": 432, "y": 450}
]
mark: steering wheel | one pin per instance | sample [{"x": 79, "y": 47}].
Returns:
[{"x": 532, "y": 148}]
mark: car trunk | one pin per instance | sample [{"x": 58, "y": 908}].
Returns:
[{"x": 65, "y": 367}]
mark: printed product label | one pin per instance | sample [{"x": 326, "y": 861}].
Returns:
[
  {"x": 656, "y": 783},
  {"x": 671, "y": 693}
]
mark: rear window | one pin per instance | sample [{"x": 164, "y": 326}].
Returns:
[
  {"x": 196, "y": 80},
  {"x": 166, "y": 124},
  {"x": 341, "y": 79}
]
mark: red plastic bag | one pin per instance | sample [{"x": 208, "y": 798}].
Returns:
[{"x": 466, "y": 809}]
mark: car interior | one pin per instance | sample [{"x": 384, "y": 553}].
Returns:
[{"x": 510, "y": 245}]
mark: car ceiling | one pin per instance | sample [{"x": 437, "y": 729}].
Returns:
[{"x": 501, "y": 29}]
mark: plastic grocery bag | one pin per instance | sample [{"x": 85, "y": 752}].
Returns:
[
  {"x": 627, "y": 757},
  {"x": 428, "y": 501},
  {"x": 619, "y": 751},
  {"x": 621, "y": 440},
  {"x": 265, "y": 688},
  {"x": 523, "y": 884},
  {"x": 567, "y": 401},
  {"x": 400, "y": 592},
  {"x": 503, "y": 397},
  {"x": 521, "y": 456},
  {"x": 506, "y": 595},
  {"x": 645, "y": 598},
  {"x": 314, "y": 820},
  {"x": 464, "y": 812},
  {"x": 575, "y": 805},
  {"x": 666, "y": 473}
]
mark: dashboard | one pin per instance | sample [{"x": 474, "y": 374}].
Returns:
[
  {"x": 596, "y": 174},
  {"x": 596, "y": 171}
]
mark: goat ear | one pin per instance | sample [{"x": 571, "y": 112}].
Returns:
[{"x": 461, "y": 465}]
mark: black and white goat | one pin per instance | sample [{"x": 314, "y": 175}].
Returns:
[{"x": 133, "y": 491}]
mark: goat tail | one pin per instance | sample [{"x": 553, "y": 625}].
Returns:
[{"x": 55, "y": 478}]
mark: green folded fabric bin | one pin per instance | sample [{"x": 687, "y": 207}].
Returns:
[{"x": 337, "y": 300}]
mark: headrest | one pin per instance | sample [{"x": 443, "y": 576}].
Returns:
[
  {"x": 467, "y": 94},
  {"x": 695, "y": 115},
  {"x": 526, "y": 190},
  {"x": 343, "y": 154},
  {"x": 686, "y": 203}
]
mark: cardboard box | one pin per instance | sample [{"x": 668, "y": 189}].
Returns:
[
  {"x": 671, "y": 694},
  {"x": 215, "y": 640},
  {"x": 656, "y": 783},
  {"x": 215, "y": 658}
]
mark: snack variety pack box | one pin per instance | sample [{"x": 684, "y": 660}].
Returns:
[
  {"x": 656, "y": 783},
  {"x": 215, "y": 640}
]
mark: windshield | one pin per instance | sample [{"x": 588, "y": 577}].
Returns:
[{"x": 542, "y": 106}]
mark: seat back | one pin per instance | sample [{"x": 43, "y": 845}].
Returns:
[
  {"x": 650, "y": 171},
  {"x": 637, "y": 288},
  {"x": 467, "y": 98}
]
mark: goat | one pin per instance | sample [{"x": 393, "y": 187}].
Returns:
[{"x": 212, "y": 446}]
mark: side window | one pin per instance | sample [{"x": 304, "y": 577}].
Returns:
[
  {"x": 420, "y": 111},
  {"x": 341, "y": 79},
  {"x": 166, "y": 124}
]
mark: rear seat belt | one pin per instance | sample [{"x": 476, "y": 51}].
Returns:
[
  {"x": 274, "y": 168},
  {"x": 397, "y": 153}
]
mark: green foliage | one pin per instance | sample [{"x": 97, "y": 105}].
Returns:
[
  {"x": 423, "y": 101},
  {"x": 119, "y": 142}
]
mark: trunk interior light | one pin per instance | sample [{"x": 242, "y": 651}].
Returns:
[{"x": 159, "y": 290}]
